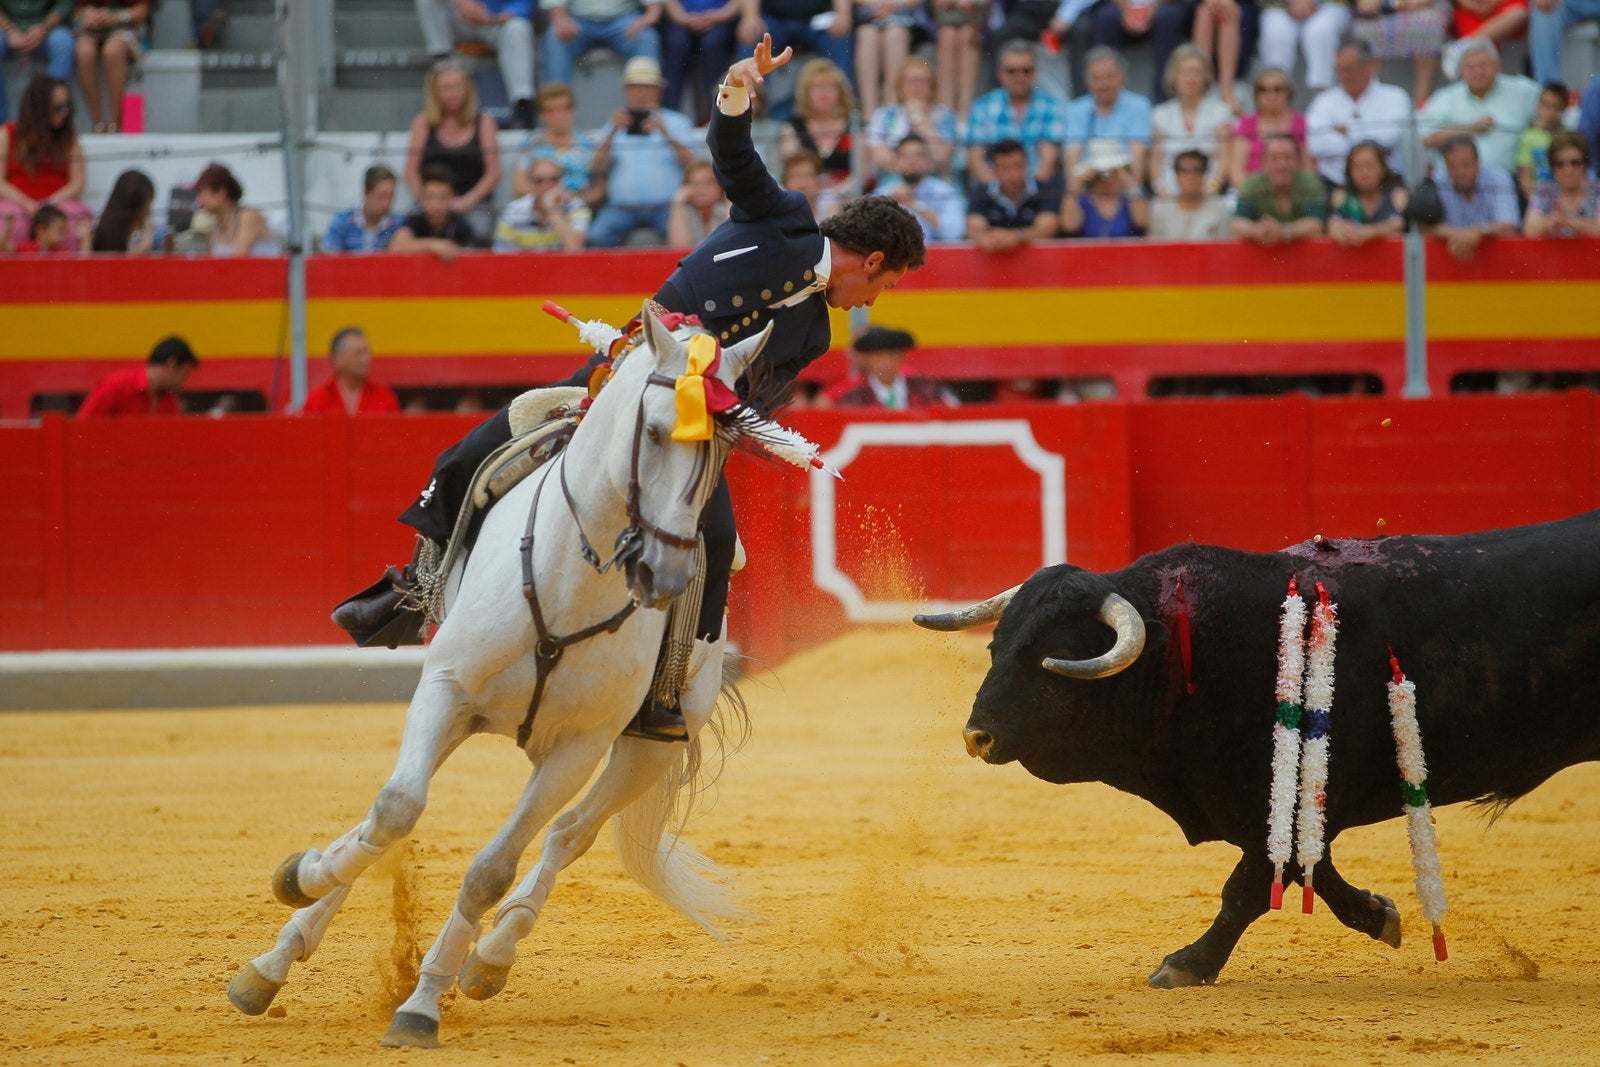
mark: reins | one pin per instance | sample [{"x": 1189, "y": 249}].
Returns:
[{"x": 548, "y": 648}]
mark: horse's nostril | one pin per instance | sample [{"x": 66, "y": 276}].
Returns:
[{"x": 979, "y": 742}]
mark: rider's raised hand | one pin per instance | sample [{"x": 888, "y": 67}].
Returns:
[{"x": 751, "y": 72}]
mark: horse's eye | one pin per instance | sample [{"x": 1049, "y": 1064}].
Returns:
[{"x": 654, "y": 434}]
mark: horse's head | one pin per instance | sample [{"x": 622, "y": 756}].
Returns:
[{"x": 660, "y": 395}]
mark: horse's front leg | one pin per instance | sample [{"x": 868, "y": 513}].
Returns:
[
  {"x": 316, "y": 883},
  {"x": 434, "y": 728},
  {"x": 253, "y": 988},
  {"x": 554, "y": 783}
]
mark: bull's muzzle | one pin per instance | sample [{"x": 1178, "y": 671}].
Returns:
[{"x": 979, "y": 742}]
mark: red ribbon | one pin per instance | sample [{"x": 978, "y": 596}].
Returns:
[{"x": 1183, "y": 638}]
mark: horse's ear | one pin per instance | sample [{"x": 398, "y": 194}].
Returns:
[
  {"x": 737, "y": 359},
  {"x": 657, "y": 336}
]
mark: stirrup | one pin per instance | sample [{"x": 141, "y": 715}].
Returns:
[{"x": 657, "y": 722}]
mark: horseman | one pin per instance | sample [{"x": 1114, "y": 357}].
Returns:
[{"x": 769, "y": 263}]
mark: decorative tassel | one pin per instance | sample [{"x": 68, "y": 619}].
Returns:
[
  {"x": 1419, "y": 813},
  {"x": 1314, "y": 751},
  {"x": 1286, "y": 737}
]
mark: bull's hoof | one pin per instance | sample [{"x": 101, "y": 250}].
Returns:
[
  {"x": 1390, "y": 934},
  {"x": 286, "y": 884},
  {"x": 480, "y": 980},
  {"x": 251, "y": 992},
  {"x": 1169, "y": 977},
  {"x": 410, "y": 1030}
]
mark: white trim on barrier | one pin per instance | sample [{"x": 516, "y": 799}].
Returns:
[{"x": 1018, "y": 433}]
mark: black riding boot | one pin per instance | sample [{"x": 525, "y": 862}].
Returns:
[
  {"x": 378, "y": 616},
  {"x": 658, "y": 722}
]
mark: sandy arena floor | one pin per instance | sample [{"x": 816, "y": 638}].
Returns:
[{"x": 919, "y": 907}]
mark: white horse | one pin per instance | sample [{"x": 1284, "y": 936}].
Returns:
[{"x": 622, "y": 479}]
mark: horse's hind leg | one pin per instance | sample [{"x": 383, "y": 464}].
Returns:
[
  {"x": 491, "y": 873},
  {"x": 635, "y": 765}
]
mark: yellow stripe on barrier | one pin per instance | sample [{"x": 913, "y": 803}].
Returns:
[
  {"x": 248, "y": 328},
  {"x": 1131, "y": 315},
  {"x": 1532, "y": 310},
  {"x": 1148, "y": 315}
]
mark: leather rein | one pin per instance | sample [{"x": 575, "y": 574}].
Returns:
[{"x": 548, "y": 647}]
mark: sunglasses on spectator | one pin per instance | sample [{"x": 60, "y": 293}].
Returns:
[
  {"x": 544, "y": 179},
  {"x": 1274, "y": 88},
  {"x": 62, "y": 108},
  {"x": 1189, "y": 168},
  {"x": 1016, "y": 70},
  {"x": 1570, "y": 161}
]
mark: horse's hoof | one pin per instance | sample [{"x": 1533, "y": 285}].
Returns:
[
  {"x": 480, "y": 980},
  {"x": 286, "y": 884},
  {"x": 251, "y": 992},
  {"x": 411, "y": 1030},
  {"x": 1169, "y": 977}
]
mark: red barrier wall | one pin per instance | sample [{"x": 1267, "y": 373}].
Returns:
[{"x": 140, "y": 533}]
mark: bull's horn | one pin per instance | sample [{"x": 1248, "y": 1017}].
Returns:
[
  {"x": 1121, "y": 616},
  {"x": 988, "y": 611}
]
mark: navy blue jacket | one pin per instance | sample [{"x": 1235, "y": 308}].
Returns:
[{"x": 766, "y": 251}]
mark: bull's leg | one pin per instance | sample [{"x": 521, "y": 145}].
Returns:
[
  {"x": 1246, "y": 896},
  {"x": 552, "y": 785},
  {"x": 1359, "y": 909},
  {"x": 634, "y": 766}
]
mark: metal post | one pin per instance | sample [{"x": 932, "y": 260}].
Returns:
[
  {"x": 1415, "y": 274},
  {"x": 297, "y": 89}
]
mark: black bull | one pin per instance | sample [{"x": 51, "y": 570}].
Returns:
[{"x": 1500, "y": 632}]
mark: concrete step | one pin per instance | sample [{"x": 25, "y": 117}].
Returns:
[
  {"x": 379, "y": 25},
  {"x": 241, "y": 110},
  {"x": 347, "y": 109}
]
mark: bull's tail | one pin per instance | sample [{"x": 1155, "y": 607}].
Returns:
[{"x": 647, "y": 832}]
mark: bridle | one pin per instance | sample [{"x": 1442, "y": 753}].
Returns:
[
  {"x": 630, "y": 542},
  {"x": 548, "y": 647}
]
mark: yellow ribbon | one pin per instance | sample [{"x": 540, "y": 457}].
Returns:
[{"x": 694, "y": 416}]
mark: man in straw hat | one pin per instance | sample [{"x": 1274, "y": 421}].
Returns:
[
  {"x": 642, "y": 155},
  {"x": 770, "y": 263}
]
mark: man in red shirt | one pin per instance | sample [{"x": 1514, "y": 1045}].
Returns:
[
  {"x": 149, "y": 390},
  {"x": 350, "y": 391}
]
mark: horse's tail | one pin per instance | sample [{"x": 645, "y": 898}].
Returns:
[{"x": 647, "y": 832}]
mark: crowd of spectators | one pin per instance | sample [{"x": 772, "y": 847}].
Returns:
[{"x": 1188, "y": 159}]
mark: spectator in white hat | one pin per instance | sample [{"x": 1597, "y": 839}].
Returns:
[{"x": 642, "y": 155}]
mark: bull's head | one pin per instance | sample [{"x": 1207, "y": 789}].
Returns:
[{"x": 1055, "y": 626}]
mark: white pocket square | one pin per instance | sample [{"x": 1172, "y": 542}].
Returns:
[{"x": 730, "y": 253}]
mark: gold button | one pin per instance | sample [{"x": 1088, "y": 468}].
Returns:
[
  {"x": 724, "y": 335},
  {"x": 788, "y": 287},
  {"x": 766, "y": 294},
  {"x": 755, "y": 314},
  {"x": 806, "y": 275},
  {"x": 738, "y": 301},
  {"x": 734, "y": 327}
]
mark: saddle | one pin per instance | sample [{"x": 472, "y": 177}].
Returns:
[{"x": 542, "y": 421}]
